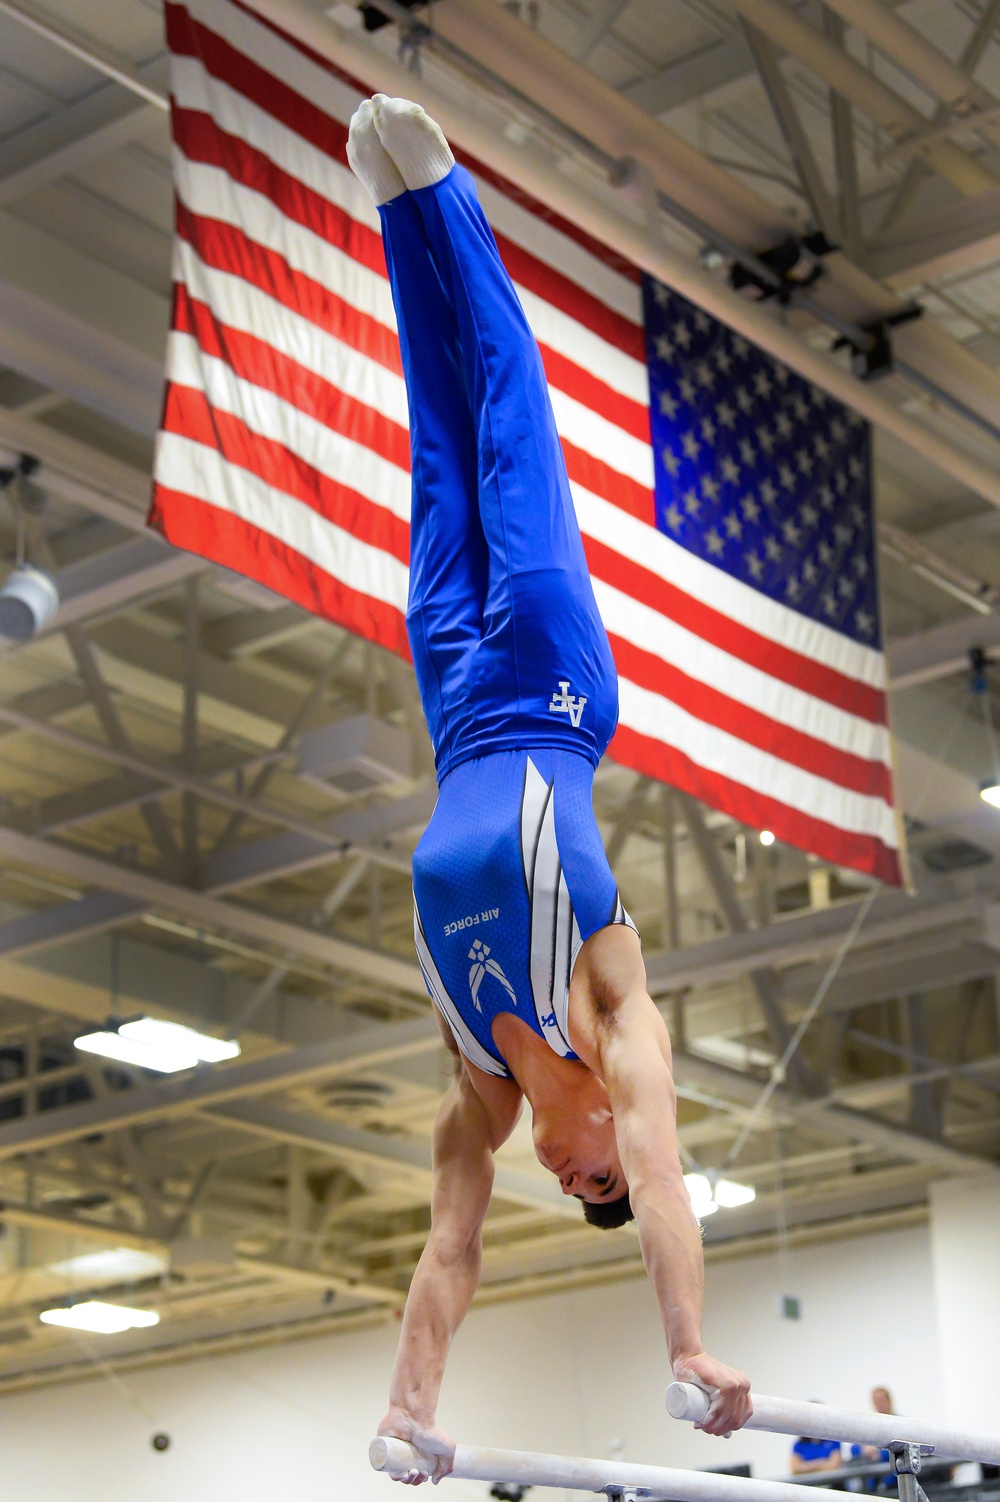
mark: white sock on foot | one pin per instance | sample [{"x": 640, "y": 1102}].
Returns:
[
  {"x": 370, "y": 162},
  {"x": 413, "y": 140}
]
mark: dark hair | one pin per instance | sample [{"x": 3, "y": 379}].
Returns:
[{"x": 609, "y": 1214}]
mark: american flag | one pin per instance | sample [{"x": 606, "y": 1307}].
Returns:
[{"x": 284, "y": 452}]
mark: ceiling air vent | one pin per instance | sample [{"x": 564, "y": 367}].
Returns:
[
  {"x": 355, "y": 755},
  {"x": 954, "y": 855}
]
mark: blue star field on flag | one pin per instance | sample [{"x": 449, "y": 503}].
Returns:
[{"x": 758, "y": 471}]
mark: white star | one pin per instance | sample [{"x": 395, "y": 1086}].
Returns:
[
  {"x": 661, "y": 295},
  {"x": 810, "y": 572},
  {"x": 800, "y": 407},
  {"x": 857, "y": 515},
  {"x": 783, "y": 423},
  {"x": 714, "y": 542},
  {"x": 691, "y": 446},
  {"x": 750, "y": 508},
  {"x": 687, "y": 390},
  {"x": 682, "y": 334},
  {"x": 747, "y": 453},
  {"x": 701, "y": 321},
  {"x": 723, "y": 359},
  {"x": 704, "y": 374},
  {"x": 842, "y": 533},
  {"x": 825, "y": 497},
  {"x": 786, "y": 476},
  {"x": 810, "y": 516},
  {"x": 805, "y": 461},
  {"x": 830, "y": 603},
  {"x": 762, "y": 383},
  {"x": 781, "y": 374},
  {"x": 740, "y": 347},
  {"x": 692, "y": 502},
  {"x": 837, "y": 430},
  {"x": 825, "y": 553},
  {"x": 754, "y": 565},
  {"x": 855, "y": 467},
  {"x": 846, "y": 587},
  {"x": 733, "y": 525},
  {"x": 864, "y": 622},
  {"x": 792, "y": 587},
  {"x": 791, "y": 533},
  {"x": 766, "y": 440},
  {"x": 668, "y": 404},
  {"x": 743, "y": 399},
  {"x": 672, "y": 517},
  {"x": 859, "y": 563},
  {"x": 708, "y": 429},
  {"x": 725, "y": 414},
  {"x": 709, "y": 488},
  {"x": 840, "y": 482},
  {"x": 772, "y": 547},
  {"x": 768, "y": 494},
  {"x": 670, "y": 461},
  {"x": 664, "y": 349},
  {"x": 821, "y": 446},
  {"x": 730, "y": 470}
]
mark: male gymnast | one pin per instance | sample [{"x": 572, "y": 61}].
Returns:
[{"x": 527, "y": 951}]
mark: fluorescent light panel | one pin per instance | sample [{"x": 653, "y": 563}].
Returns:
[
  {"x": 990, "y": 793},
  {"x": 110, "y": 1265},
  {"x": 100, "y": 1319},
  {"x": 724, "y": 1194},
  {"x": 167, "y": 1047}
]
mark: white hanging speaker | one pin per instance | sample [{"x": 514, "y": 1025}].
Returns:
[{"x": 28, "y": 600}]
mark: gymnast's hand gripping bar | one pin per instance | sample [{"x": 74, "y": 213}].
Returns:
[
  {"x": 785, "y": 1416},
  {"x": 520, "y": 1467}
]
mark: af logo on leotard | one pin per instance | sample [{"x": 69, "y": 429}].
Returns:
[
  {"x": 483, "y": 966},
  {"x": 566, "y": 703}
]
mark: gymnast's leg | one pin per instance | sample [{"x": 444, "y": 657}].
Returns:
[
  {"x": 541, "y": 624},
  {"x": 448, "y": 562}
]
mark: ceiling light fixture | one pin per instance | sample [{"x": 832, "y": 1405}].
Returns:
[
  {"x": 709, "y": 1194},
  {"x": 166, "y": 1047},
  {"x": 98, "y": 1318},
  {"x": 766, "y": 837},
  {"x": 990, "y": 792},
  {"x": 112, "y": 1265}
]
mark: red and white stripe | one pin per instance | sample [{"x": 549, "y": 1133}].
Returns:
[{"x": 284, "y": 450}]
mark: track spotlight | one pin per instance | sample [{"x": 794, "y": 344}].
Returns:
[{"x": 28, "y": 601}]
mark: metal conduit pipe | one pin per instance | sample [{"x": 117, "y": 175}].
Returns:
[
  {"x": 855, "y": 83},
  {"x": 904, "y": 45},
  {"x": 634, "y": 241}
]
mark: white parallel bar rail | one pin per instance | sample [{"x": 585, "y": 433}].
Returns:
[
  {"x": 785, "y": 1416},
  {"x": 522, "y": 1468}
]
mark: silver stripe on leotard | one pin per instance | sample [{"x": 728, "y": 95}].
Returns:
[
  {"x": 466, "y": 1040},
  {"x": 552, "y": 923}
]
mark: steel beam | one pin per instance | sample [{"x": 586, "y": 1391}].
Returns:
[
  {"x": 762, "y": 978},
  {"x": 210, "y": 1087},
  {"x": 374, "y": 1149},
  {"x": 70, "y": 920},
  {"x": 67, "y": 139},
  {"x": 89, "y": 870},
  {"x": 765, "y": 58},
  {"x": 797, "y": 939},
  {"x": 941, "y": 651},
  {"x": 691, "y": 77}
]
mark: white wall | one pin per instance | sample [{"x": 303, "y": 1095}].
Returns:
[
  {"x": 570, "y": 1373},
  {"x": 965, "y": 1243}
]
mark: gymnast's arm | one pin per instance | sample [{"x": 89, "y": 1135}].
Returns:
[
  {"x": 634, "y": 1060},
  {"x": 473, "y": 1121}
]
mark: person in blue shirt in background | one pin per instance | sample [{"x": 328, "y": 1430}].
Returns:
[{"x": 814, "y": 1455}]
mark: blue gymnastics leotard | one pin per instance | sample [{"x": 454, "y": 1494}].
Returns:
[{"x": 513, "y": 663}]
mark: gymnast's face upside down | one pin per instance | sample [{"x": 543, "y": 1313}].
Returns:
[{"x": 574, "y": 1137}]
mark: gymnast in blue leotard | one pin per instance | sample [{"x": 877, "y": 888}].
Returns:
[
  {"x": 527, "y": 952},
  {"x": 513, "y": 663}
]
